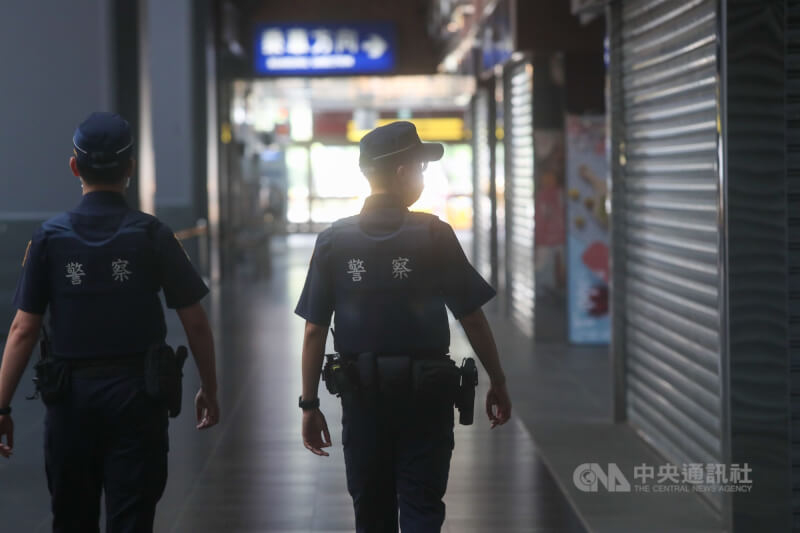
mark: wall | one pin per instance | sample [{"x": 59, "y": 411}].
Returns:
[
  {"x": 56, "y": 59},
  {"x": 170, "y": 72},
  {"x": 171, "y": 64}
]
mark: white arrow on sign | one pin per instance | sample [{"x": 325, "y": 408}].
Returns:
[{"x": 375, "y": 46}]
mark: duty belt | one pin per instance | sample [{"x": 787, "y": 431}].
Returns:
[
  {"x": 111, "y": 366},
  {"x": 430, "y": 354}
]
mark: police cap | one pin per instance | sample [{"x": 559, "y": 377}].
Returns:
[
  {"x": 103, "y": 141},
  {"x": 396, "y": 139}
]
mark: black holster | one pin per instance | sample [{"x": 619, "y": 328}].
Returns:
[
  {"x": 52, "y": 380},
  {"x": 465, "y": 401},
  {"x": 163, "y": 375},
  {"x": 340, "y": 375},
  {"x": 52, "y": 377}
]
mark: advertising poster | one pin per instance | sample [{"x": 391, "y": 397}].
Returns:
[
  {"x": 550, "y": 214},
  {"x": 550, "y": 235},
  {"x": 587, "y": 231}
]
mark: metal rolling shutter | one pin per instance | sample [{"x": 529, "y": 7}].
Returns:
[
  {"x": 793, "y": 186},
  {"x": 671, "y": 254},
  {"x": 518, "y": 141},
  {"x": 481, "y": 172}
]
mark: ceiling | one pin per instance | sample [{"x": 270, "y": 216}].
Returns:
[{"x": 430, "y": 93}]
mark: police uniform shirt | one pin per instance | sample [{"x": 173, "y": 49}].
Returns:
[
  {"x": 99, "y": 269},
  {"x": 401, "y": 318}
]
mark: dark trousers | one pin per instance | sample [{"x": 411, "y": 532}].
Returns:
[
  {"x": 108, "y": 435},
  {"x": 397, "y": 457}
]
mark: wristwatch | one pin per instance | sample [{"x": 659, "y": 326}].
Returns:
[
  {"x": 308, "y": 405},
  {"x": 5, "y": 410}
]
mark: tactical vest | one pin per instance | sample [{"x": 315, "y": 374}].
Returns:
[
  {"x": 104, "y": 294},
  {"x": 387, "y": 291}
]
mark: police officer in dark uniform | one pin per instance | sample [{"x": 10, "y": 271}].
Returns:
[
  {"x": 388, "y": 275},
  {"x": 99, "y": 269}
]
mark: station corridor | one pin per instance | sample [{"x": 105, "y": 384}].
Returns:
[
  {"x": 252, "y": 474},
  {"x": 625, "y": 173}
]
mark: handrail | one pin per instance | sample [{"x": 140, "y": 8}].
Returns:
[
  {"x": 189, "y": 233},
  {"x": 202, "y": 251}
]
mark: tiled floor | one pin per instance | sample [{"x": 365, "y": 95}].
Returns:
[{"x": 252, "y": 474}]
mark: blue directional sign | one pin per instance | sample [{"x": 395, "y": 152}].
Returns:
[{"x": 324, "y": 49}]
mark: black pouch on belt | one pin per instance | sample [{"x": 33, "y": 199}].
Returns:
[
  {"x": 52, "y": 376},
  {"x": 163, "y": 375},
  {"x": 53, "y": 380},
  {"x": 394, "y": 377},
  {"x": 435, "y": 380},
  {"x": 340, "y": 375}
]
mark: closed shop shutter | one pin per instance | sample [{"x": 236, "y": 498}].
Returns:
[
  {"x": 518, "y": 148},
  {"x": 793, "y": 153},
  {"x": 481, "y": 183},
  {"x": 667, "y": 219}
]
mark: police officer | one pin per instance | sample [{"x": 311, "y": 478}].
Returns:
[
  {"x": 387, "y": 275},
  {"x": 99, "y": 269}
]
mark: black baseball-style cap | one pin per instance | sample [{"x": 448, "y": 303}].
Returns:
[
  {"x": 103, "y": 141},
  {"x": 396, "y": 139}
]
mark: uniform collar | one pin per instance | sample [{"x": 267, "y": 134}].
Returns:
[
  {"x": 382, "y": 201},
  {"x": 102, "y": 199}
]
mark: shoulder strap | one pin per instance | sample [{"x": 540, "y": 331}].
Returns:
[
  {"x": 420, "y": 217},
  {"x": 423, "y": 219},
  {"x": 343, "y": 222},
  {"x": 57, "y": 223},
  {"x": 138, "y": 219},
  {"x": 152, "y": 228}
]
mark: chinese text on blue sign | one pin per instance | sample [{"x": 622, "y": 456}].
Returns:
[{"x": 322, "y": 49}]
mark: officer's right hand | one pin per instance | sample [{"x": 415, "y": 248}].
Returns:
[
  {"x": 7, "y": 429},
  {"x": 207, "y": 409},
  {"x": 498, "y": 405},
  {"x": 315, "y": 432}
]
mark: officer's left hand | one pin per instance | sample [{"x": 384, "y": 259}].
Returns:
[{"x": 7, "y": 429}]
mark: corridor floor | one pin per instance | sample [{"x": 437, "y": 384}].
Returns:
[{"x": 252, "y": 474}]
